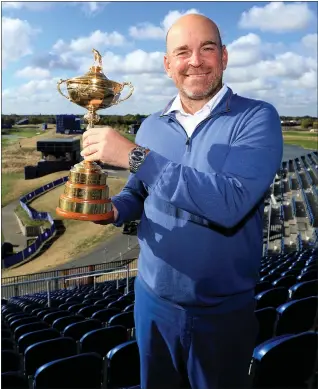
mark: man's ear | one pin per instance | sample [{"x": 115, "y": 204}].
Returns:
[
  {"x": 166, "y": 65},
  {"x": 224, "y": 57}
]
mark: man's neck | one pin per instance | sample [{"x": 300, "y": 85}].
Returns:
[{"x": 192, "y": 106}]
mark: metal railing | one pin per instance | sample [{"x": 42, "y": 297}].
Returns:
[{"x": 50, "y": 283}]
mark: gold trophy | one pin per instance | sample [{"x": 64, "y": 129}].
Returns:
[{"x": 86, "y": 193}]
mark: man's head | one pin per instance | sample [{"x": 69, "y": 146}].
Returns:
[{"x": 195, "y": 57}]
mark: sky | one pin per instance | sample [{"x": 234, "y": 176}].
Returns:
[{"x": 272, "y": 52}]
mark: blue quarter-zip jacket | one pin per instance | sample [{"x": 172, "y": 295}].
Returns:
[{"x": 200, "y": 201}]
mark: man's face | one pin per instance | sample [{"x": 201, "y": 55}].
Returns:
[{"x": 195, "y": 61}]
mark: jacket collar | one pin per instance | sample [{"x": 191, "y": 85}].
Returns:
[{"x": 223, "y": 105}]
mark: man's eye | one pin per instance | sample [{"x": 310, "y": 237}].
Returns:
[
  {"x": 182, "y": 53},
  {"x": 208, "y": 49}
]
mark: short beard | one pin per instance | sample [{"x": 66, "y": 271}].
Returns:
[{"x": 212, "y": 90}]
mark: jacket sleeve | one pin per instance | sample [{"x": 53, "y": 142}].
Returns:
[
  {"x": 225, "y": 197},
  {"x": 130, "y": 201}
]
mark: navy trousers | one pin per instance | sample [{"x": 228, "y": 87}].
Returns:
[{"x": 192, "y": 348}]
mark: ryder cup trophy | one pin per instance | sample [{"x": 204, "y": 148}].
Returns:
[{"x": 86, "y": 193}]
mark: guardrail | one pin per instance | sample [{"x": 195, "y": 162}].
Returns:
[
  {"x": 21, "y": 288},
  {"x": 44, "y": 237}
]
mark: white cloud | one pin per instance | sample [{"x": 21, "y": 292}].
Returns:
[
  {"x": 16, "y": 38},
  {"x": 245, "y": 50},
  {"x": 310, "y": 41},
  {"x": 97, "y": 39},
  {"x": 92, "y": 8},
  {"x": 32, "y": 6},
  {"x": 150, "y": 31},
  {"x": 277, "y": 17},
  {"x": 33, "y": 72}
]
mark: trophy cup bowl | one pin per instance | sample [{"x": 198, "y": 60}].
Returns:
[{"x": 86, "y": 193}]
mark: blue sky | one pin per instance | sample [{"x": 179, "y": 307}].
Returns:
[{"x": 272, "y": 51}]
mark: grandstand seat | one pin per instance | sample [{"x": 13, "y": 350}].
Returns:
[
  {"x": 303, "y": 289},
  {"x": 266, "y": 319},
  {"x": 105, "y": 314},
  {"x": 37, "y": 355},
  {"x": 89, "y": 311},
  {"x": 308, "y": 276},
  {"x": 77, "y": 330},
  {"x": 61, "y": 323},
  {"x": 309, "y": 268},
  {"x": 14, "y": 380},
  {"x": 40, "y": 315},
  {"x": 296, "y": 316},
  {"x": 118, "y": 304},
  {"x": 103, "y": 340},
  {"x": 102, "y": 302},
  {"x": 76, "y": 307},
  {"x": 30, "y": 338},
  {"x": 65, "y": 306},
  {"x": 76, "y": 372},
  {"x": 285, "y": 361},
  {"x": 52, "y": 316},
  {"x": 126, "y": 354},
  {"x": 7, "y": 344},
  {"x": 271, "y": 298},
  {"x": 262, "y": 286},
  {"x": 125, "y": 319},
  {"x": 286, "y": 281},
  {"x": 10, "y": 361},
  {"x": 19, "y": 322},
  {"x": 290, "y": 273},
  {"x": 130, "y": 308},
  {"x": 31, "y": 327},
  {"x": 11, "y": 317}
]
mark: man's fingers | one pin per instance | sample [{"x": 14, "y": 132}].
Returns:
[
  {"x": 92, "y": 157},
  {"x": 90, "y": 140},
  {"x": 89, "y": 150}
]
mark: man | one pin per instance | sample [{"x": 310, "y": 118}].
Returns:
[{"x": 200, "y": 170}]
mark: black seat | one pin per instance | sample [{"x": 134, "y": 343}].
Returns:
[
  {"x": 103, "y": 340},
  {"x": 10, "y": 361},
  {"x": 125, "y": 319},
  {"x": 119, "y": 304},
  {"x": 76, "y": 307},
  {"x": 31, "y": 327},
  {"x": 126, "y": 354},
  {"x": 14, "y": 380},
  {"x": 130, "y": 308},
  {"x": 19, "y": 322},
  {"x": 61, "y": 323},
  {"x": 30, "y": 338},
  {"x": 262, "y": 286},
  {"x": 296, "y": 316},
  {"x": 266, "y": 318},
  {"x": 105, "y": 314},
  {"x": 303, "y": 289},
  {"x": 308, "y": 276},
  {"x": 46, "y": 351},
  {"x": 52, "y": 316},
  {"x": 286, "y": 361},
  {"x": 77, "y": 330},
  {"x": 271, "y": 298},
  {"x": 5, "y": 334},
  {"x": 89, "y": 311},
  {"x": 81, "y": 371},
  {"x": 286, "y": 281}
]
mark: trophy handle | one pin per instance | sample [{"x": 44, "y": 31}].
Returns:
[
  {"x": 59, "y": 89},
  {"x": 129, "y": 94}
]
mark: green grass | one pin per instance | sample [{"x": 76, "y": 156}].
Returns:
[
  {"x": 27, "y": 221},
  {"x": 306, "y": 144},
  {"x": 300, "y": 134},
  {"x": 8, "y": 180}
]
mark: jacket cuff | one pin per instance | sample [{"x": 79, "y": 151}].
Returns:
[{"x": 151, "y": 170}]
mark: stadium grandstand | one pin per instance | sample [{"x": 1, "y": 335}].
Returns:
[{"x": 74, "y": 328}]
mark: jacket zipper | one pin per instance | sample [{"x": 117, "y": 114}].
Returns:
[{"x": 188, "y": 141}]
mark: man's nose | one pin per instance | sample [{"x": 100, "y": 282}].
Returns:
[{"x": 196, "y": 59}]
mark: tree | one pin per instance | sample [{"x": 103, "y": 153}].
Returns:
[{"x": 306, "y": 123}]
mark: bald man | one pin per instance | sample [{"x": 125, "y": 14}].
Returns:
[{"x": 200, "y": 169}]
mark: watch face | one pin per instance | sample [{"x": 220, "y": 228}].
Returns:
[{"x": 138, "y": 155}]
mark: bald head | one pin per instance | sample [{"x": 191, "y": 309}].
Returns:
[{"x": 191, "y": 21}]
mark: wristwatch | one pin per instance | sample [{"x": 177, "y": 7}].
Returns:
[{"x": 137, "y": 157}]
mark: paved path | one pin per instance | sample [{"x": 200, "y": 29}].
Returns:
[
  {"x": 10, "y": 227},
  {"x": 108, "y": 251}
]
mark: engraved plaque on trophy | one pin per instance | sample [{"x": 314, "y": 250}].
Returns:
[{"x": 86, "y": 193}]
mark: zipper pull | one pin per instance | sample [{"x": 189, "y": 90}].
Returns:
[{"x": 188, "y": 141}]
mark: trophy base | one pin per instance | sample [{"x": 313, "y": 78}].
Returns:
[{"x": 85, "y": 217}]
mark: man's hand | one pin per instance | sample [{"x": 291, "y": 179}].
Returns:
[
  {"x": 107, "y": 145},
  {"x": 105, "y": 223}
]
